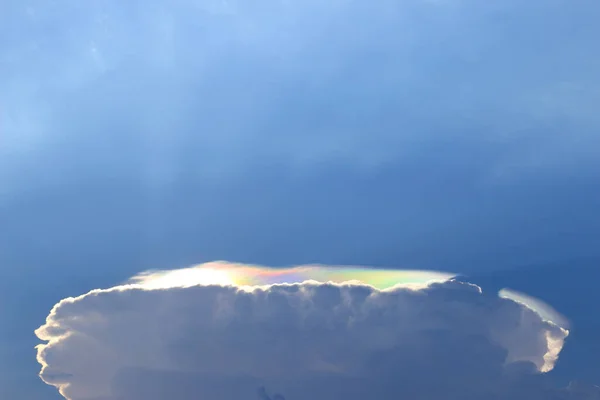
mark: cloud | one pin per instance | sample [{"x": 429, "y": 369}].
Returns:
[
  {"x": 545, "y": 310},
  {"x": 244, "y": 275},
  {"x": 299, "y": 340}
]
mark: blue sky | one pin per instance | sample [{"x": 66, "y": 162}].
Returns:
[{"x": 452, "y": 135}]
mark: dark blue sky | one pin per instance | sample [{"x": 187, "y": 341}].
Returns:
[{"x": 448, "y": 135}]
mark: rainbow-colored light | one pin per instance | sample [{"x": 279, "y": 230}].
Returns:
[
  {"x": 249, "y": 277},
  {"x": 223, "y": 273}
]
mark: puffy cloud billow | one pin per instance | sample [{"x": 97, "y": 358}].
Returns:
[{"x": 213, "y": 338}]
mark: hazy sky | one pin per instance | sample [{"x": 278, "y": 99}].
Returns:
[{"x": 456, "y": 135}]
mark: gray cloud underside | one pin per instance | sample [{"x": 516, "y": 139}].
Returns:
[{"x": 317, "y": 341}]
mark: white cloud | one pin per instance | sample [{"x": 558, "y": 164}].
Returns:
[{"x": 303, "y": 340}]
